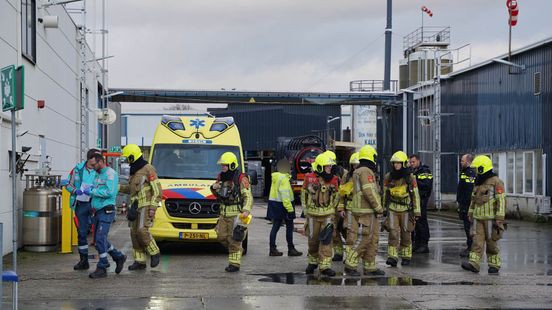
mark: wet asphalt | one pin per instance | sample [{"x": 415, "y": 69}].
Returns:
[{"x": 192, "y": 276}]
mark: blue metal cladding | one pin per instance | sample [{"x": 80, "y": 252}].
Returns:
[
  {"x": 492, "y": 110},
  {"x": 260, "y": 126}
]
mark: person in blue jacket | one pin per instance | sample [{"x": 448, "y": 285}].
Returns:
[
  {"x": 82, "y": 176},
  {"x": 104, "y": 194}
]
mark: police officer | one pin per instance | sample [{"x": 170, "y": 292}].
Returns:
[
  {"x": 463, "y": 197},
  {"x": 363, "y": 216},
  {"x": 401, "y": 199},
  {"x": 81, "y": 177},
  {"x": 319, "y": 198},
  {"x": 424, "y": 179},
  {"x": 104, "y": 194},
  {"x": 280, "y": 204},
  {"x": 232, "y": 189},
  {"x": 487, "y": 211},
  {"x": 145, "y": 193}
]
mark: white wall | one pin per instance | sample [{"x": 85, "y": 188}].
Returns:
[{"x": 55, "y": 79}]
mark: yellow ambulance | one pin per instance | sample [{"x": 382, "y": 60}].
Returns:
[{"x": 185, "y": 151}]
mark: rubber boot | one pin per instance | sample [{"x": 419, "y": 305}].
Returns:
[
  {"x": 337, "y": 258},
  {"x": 391, "y": 262},
  {"x": 274, "y": 252},
  {"x": 120, "y": 263},
  {"x": 82, "y": 264},
  {"x": 293, "y": 252},
  {"x": 232, "y": 268},
  {"x": 377, "y": 272},
  {"x": 469, "y": 267},
  {"x": 328, "y": 272},
  {"x": 154, "y": 260},
  {"x": 311, "y": 268},
  {"x": 98, "y": 273}
]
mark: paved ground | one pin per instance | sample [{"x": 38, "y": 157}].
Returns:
[{"x": 193, "y": 277}]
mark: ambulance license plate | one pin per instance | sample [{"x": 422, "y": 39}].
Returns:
[{"x": 194, "y": 236}]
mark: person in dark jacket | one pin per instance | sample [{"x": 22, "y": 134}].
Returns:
[
  {"x": 463, "y": 197},
  {"x": 424, "y": 178}
]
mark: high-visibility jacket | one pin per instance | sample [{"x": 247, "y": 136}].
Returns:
[
  {"x": 319, "y": 197},
  {"x": 281, "y": 191},
  {"x": 401, "y": 195},
  {"x": 144, "y": 188},
  {"x": 488, "y": 200}
]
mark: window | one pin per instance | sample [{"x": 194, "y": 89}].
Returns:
[
  {"x": 537, "y": 83},
  {"x": 528, "y": 172},
  {"x": 519, "y": 173},
  {"x": 28, "y": 29},
  {"x": 510, "y": 173},
  {"x": 539, "y": 167}
]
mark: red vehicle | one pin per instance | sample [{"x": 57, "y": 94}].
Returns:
[{"x": 300, "y": 152}]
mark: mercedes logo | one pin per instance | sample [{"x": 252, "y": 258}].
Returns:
[{"x": 194, "y": 208}]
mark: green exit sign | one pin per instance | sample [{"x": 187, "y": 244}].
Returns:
[{"x": 12, "y": 84}]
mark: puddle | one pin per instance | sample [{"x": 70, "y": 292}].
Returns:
[{"x": 303, "y": 279}]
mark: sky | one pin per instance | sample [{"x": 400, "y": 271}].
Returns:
[{"x": 292, "y": 45}]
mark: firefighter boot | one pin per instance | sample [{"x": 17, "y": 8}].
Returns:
[
  {"x": 154, "y": 260},
  {"x": 311, "y": 268},
  {"x": 293, "y": 252},
  {"x": 137, "y": 266},
  {"x": 351, "y": 272},
  {"x": 274, "y": 252},
  {"x": 328, "y": 272},
  {"x": 98, "y": 273},
  {"x": 377, "y": 272},
  {"x": 493, "y": 271},
  {"x": 232, "y": 268},
  {"x": 82, "y": 264},
  {"x": 469, "y": 267},
  {"x": 391, "y": 262}
]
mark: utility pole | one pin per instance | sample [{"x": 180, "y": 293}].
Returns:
[{"x": 388, "y": 32}]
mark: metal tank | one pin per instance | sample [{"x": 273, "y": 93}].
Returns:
[{"x": 41, "y": 213}]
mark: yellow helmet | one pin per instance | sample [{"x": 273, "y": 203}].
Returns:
[
  {"x": 400, "y": 157},
  {"x": 132, "y": 152},
  {"x": 353, "y": 160},
  {"x": 367, "y": 152},
  {"x": 331, "y": 155},
  {"x": 482, "y": 164},
  {"x": 229, "y": 159},
  {"x": 321, "y": 161}
]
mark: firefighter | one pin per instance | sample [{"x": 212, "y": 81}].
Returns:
[
  {"x": 463, "y": 198},
  {"x": 146, "y": 195},
  {"x": 487, "y": 211},
  {"x": 337, "y": 170},
  {"x": 280, "y": 204},
  {"x": 320, "y": 197},
  {"x": 402, "y": 201},
  {"x": 104, "y": 194},
  {"x": 424, "y": 179},
  {"x": 80, "y": 178},
  {"x": 232, "y": 189},
  {"x": 345, "y": 197},
  {"x": 363, "y": 216}
]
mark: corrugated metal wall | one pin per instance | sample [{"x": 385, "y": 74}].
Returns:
[
  {"x": 260, "y": 126},
  {"x": 493, "y": 110}
]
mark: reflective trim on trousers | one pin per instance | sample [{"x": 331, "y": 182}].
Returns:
[
  {"x": 235, "y": 258},
  {"x": 392, "y": 252},
  {"x": 139, "y": 256},
  {"x": 311, "y": 225}
]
